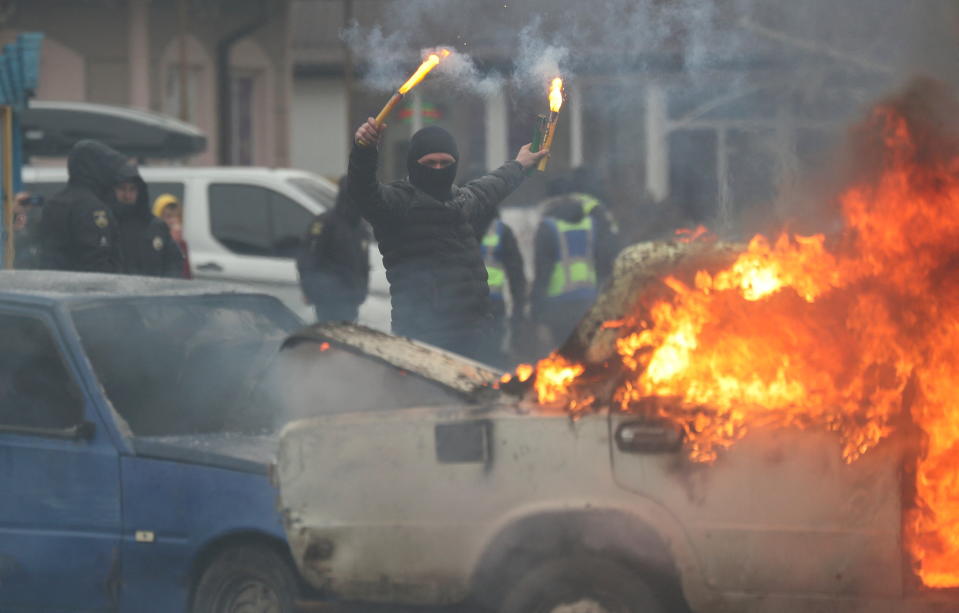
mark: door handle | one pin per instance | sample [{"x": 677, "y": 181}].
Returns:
[
  {"x": 648, "y": 437},
  {"x": 209, "y": 267}
]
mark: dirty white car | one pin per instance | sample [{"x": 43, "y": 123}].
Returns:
[{"x": 491, "y": 501}]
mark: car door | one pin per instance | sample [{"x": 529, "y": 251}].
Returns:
[
  {"x": 59, "y": 476},
  {"x": 778, "y": 512},
  {"x": 257, "y": 232}
]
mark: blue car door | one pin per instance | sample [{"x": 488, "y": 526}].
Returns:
[{"x": 59, "y": 476}]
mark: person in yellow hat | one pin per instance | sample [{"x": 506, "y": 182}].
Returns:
[{"x": 168, "y": 209}]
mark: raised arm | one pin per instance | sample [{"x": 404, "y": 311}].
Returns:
[
  {"x": 365, "y": 191},
  {"x": 483, "y": 195}
]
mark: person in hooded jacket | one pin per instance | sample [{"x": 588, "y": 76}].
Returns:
[
  {"x": 146, "y": 245},
  {"x": 426, "y": 230},
  {"x": 78, "y": 231},
  {"x": 334, "y": 264},
  {"x": 507, "y": 284},
  {"x": 573, "y": 252}
]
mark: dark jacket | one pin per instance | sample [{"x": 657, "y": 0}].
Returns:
[
  {"x": 509, "y": 256},
  {"x": 432, "y": 257},
  {"x": 146, "y": 246},
  {"x": 78, "y": 230},
  {"x": 334, "y": 264},
  {"x": 547, "y": 249}
]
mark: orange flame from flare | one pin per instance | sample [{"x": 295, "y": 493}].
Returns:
[
  {"x": 428, "y": 64},
  {"x": 845, "y": 338},
  {"x": 556, "y": 95}
]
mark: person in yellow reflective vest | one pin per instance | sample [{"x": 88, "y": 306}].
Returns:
[
  {"x": 574, "y": 251},
  {"x": 504, "y": 266}
]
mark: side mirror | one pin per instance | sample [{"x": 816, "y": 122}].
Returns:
[{"x": 83, "y": 431}]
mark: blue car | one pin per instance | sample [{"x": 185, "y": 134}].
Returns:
[{"x": 133, "y": 456}]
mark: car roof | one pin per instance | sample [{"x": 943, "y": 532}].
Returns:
[{"x": 50, "y": 285}]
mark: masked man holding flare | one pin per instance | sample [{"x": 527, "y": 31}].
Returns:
[{"x": 425, "y": 227}]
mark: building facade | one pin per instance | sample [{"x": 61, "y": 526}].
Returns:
[
  {"x": 222, "y": 65},
  {"x": 700, "y": 117}
]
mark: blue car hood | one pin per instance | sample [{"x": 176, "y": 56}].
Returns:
[{"x": 240, "y": 452}]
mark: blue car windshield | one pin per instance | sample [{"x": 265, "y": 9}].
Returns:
[{"x": 185, "y": 364}]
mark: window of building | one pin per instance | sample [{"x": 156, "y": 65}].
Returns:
[
  {"x": 244, "y": 90},
  {"x": 173, "y": 104},
  {"x": 36, "y": 389},
  {"x": 252, "y": 220}
]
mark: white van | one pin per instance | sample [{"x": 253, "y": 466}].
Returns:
[{"x": 245, "y": 225}]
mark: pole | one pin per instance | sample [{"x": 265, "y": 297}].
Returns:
[
  {"x": 657, "y": 142},
  {"x": 184, "y": 66},
  {"x": 9, "y": 249}
]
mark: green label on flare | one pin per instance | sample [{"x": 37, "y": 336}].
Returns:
[{"x": 539, "y": 132}]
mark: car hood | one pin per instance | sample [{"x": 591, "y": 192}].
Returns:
[
  {"x": 471, "y": 380},
  {"x": 239, "y": 452}
]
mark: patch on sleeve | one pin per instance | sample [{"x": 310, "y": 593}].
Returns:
[
  {"x": 316, "y": 228},
  {"x": 157, "y": 243},
  {"x": 100, "y": 218}
]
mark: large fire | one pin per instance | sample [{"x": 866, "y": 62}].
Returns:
[{"x": 856, "y": 331}]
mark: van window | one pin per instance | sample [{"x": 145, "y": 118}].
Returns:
[
  {"x": 318, "y": 192},
  {"x": 155, "y": 189},
  {"x": 252, "y": 220},
  {"x": 290, "y": 222},
  {"x": 36, "y": 389},
  {"x": 240, "y": 218}
]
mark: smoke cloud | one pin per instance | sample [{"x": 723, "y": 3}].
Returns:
[{"x": 758, "y": 91}]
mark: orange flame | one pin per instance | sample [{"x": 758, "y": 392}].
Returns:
[
  {"x": 851, "y": 334},
  {"x": 428, "y": 64},
  {"x": 556, "y": 95},
  {"x": 685, "y": 235}
]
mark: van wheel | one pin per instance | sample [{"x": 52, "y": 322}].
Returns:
[
  {"x": 246, "y": 579},
  {"x": 581, "y": 584}
]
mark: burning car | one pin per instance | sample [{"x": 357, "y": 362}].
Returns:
[{"x": 760, "y": 427}]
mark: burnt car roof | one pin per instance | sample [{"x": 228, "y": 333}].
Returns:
[
  {"x": 453, "y": 371},
  {"x": 637, "y": 268},
  {"x": 60, "y": 285}
]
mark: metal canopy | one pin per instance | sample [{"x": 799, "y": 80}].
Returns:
[{"x": 51, "y": 129}]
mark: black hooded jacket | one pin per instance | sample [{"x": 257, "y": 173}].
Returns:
[
  {"x": 146, "y": 246},
  {"x": 78, "y": 230},
  {"x": 438, "y": 282},
  {"x": 334, "y": 264}
]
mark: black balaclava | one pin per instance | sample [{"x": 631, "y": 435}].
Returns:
[{"x": 435, "y": 182}]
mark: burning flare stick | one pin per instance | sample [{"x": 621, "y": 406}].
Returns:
[
  {"x": 428, "y": 64},
  {"x": 546, "y": 125}
]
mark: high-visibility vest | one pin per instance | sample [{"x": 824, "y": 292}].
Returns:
[
  {"x": 590, "y": 203},
  {"x": 495, "y": 272},
  {"x": 574, "y": 274}
]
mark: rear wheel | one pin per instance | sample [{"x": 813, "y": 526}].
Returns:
[
  {"x": 581, "y": 584},
  {"x": 246, "y": 579}
]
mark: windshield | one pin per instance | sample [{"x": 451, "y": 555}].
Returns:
[
  {"x": 184, "y": 365},
  {"x": 316, "y": 190}
]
